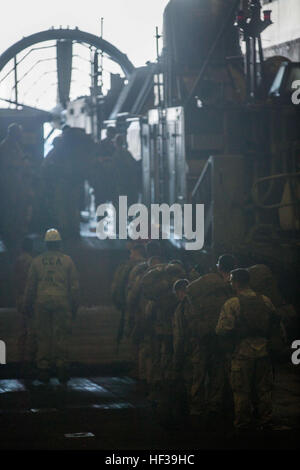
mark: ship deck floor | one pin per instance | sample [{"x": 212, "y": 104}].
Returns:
[{"x": 111, "y": 413}]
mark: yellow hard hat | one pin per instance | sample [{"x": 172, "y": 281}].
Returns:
[{"x": 52, "y": 235}]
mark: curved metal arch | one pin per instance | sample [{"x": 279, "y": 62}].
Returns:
[{"x": 72, "y": 34}]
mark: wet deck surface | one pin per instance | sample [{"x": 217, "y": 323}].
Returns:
[{"x": 111, "y": 413}]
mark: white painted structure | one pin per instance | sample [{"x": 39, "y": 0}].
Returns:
[{"x": 285, "y": 30}]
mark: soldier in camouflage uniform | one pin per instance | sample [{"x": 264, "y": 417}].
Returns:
[
  {"x": 249, "y": 320},
  {"x": 209, "y": 354},
  {"x": 139, "y": 319},
  {"x": 137, "y": 310},
  {"x": 262, "y": 281},
  {"x": 121, "y": 276},
  {"x": 52, "y": 295},
  {"x": 120, "y": 284},
  {"x": 157, "y": 287},
  {"x": 133, "y": 294},
  {"x": 181, "y": 347}
]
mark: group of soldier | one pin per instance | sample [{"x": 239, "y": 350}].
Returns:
[{"x": 203, "y": 345}]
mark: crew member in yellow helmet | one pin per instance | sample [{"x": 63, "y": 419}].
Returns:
[{"x": 52, "y": 298}]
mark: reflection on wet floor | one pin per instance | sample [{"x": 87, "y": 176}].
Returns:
[
  {"x": 44, "y": 410},
  {"x": 86, "y": 385},
  {"x": 9, "y": 385},
  {"x": 113, "y": 406},
  {"x": 77, "y": 435},
  {"x": 102, "y": 393}
]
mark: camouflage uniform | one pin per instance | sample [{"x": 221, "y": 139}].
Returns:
[
  {"x": 208, "y": 355},
  {"x": 52, "y": 291},
  {"x": 248, "y": 318},
  {"x": 262, "y": 281},
  {"x": 133, "y": 295},
  {"x": 157, "y": 288},
  {"x": 145, "y": 334},
  {"x": 118, "y": 292},
  {"x": 182, "y": 366},
  {"x": 137, "y": 311}
]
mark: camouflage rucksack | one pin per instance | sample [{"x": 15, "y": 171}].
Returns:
[
  {"x": 159, "y": 280},
  {"x": 208, "y": 295},
  {"x": 263, "y": 282},
  {"x": 255, "y": 317},
  {"x": 157, "y": 286}
]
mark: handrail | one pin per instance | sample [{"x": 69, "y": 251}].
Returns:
[{"x": 201, "y": 177}]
